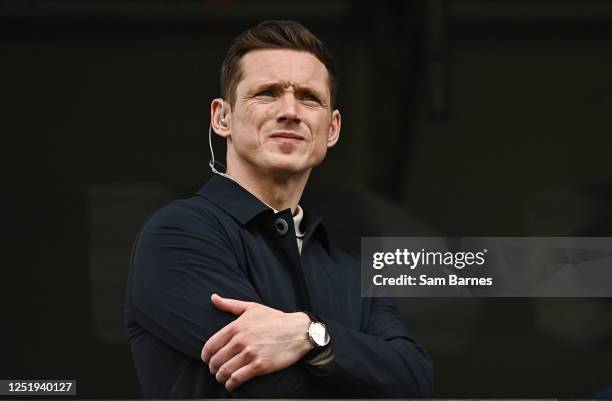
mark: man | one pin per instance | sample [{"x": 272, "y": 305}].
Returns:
[{"x": 236, "y": 291}]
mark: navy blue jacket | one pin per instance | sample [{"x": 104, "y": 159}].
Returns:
[{"x": 225, "y": 241}]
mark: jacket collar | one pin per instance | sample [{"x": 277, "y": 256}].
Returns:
[
  {"x": 244, "y": 206},
  {"x": 232, "y": 198}
]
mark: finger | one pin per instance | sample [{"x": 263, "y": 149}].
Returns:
[
  {"x": 233, "y": 347},
  {"x": 218, "y": 340},
  {"x": 244, "y": 374},
  {"x": 236, "y": 362},
  {"x": 233, "y": 306}
]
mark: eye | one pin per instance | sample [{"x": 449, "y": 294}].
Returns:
[
  {"x": 310, "y": 98},
  {"x": 265, "y": 93}
]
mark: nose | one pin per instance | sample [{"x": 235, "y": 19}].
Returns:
[{"x": 288, "y": 109}]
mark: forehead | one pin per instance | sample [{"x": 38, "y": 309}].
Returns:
[{"x": 283, "y": 65}]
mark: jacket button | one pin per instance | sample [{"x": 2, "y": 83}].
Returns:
[{"x": 281, "y": 226}]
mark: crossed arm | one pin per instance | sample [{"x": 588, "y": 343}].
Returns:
[
  {"x": 250, "y": 347},
  {"x": 261, "y": 340}
]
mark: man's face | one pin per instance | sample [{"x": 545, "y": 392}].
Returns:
[{"x": 281, "y": 122}]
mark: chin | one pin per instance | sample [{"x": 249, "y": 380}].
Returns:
[
  {"x": 288, "y": 165},
  {"x": 286, "y": 169}
]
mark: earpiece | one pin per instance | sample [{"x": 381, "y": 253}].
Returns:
[
  {"x": 212, "y": 163},
  {"x": 222, "y": 114}
]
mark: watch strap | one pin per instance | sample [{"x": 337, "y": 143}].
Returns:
[
  {"x": 316, "y": 350},
  {"x": 312, "y": 316}
]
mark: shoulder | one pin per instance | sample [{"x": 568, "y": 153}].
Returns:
[
  {"x": 194, "y": 217},
  {"x": 193, "y": 211},
  {"x": 187, "y": 233}
]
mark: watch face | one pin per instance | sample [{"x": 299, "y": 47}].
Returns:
[{"x": 318, "y": 332}]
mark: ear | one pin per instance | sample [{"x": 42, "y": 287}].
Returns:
[
  {"x": 221, "y": 126},
  {"x": 334, "y": 128}
]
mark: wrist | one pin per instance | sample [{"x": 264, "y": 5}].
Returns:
[{"x": 302, "y": 323}]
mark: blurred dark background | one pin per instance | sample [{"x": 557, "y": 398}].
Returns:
[{"x": 459, "y": 118}]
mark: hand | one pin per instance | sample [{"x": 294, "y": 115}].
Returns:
[{"x": 262, "y": 340}]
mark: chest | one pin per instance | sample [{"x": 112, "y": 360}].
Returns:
[{"x": 289, "y": 281}]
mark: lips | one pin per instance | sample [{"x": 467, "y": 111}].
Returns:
[{"x": 287, "y": 135}]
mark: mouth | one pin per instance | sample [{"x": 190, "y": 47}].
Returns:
[{"x": 287, "y": 135}]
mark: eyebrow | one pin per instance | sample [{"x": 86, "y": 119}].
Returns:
[{"x": 302, "y": 89}]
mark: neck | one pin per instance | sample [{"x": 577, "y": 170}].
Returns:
[{"x": 280, "y": 191}]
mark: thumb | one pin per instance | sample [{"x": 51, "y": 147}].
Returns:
[{"x": 233, "y": 306}]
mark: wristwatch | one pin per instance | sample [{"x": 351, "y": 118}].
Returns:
[{"x": 317, "y": 333}]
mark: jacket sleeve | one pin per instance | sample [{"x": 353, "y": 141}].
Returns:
[
  {"x": 381, "y": 360},
  {"x": 175, "y": 269}
]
